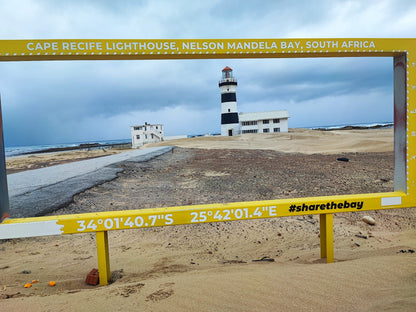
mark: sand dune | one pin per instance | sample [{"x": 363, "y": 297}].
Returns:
[{"x": 298, "y": 141}]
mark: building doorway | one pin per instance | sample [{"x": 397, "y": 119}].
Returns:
[{"x": 230, "y": 132}]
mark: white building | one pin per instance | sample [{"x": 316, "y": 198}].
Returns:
[
  {"x": 233, "y": 123},
  {"x": 264, "y": 122},
  {"x": 146, "y": 133}
]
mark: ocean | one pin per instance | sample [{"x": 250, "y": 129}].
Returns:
[
  {"x": 373, "y": 125},
  {"x": 19, "y": 150}
]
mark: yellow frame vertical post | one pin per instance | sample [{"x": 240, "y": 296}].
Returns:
[
  {"x": 103, "y": 257},
  {"x": 326, "y": 227}
]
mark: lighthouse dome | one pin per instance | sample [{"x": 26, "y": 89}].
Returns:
[{"x": 227, "y": 72}]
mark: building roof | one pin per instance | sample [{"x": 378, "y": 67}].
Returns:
[
  {"x": 226, "y": 68},
  {"x": 264, "y": 115},
  {"x": 152, "y": 125}
]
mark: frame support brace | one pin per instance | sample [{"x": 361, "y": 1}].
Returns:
[
  {"x": 103, "y": 257},
  {"x": 326, "y": 227}
]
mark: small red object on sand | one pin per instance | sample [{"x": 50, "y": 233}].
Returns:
[{"x": 92, "y": 277}]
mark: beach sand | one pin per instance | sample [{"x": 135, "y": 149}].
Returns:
[
  {"x": 298, "y": 140},
  {"x": 210, "y": 267}
]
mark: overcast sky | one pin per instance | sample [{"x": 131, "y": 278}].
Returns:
[{"x": 73, "y": 101}]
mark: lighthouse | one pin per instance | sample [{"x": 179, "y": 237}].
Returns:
[{"x": 229, "y": 115}]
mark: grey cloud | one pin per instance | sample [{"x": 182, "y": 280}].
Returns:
[{"x": 60, "y": 101}]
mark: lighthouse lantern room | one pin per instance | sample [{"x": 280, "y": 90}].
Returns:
[{"x": 229, "y": 114}]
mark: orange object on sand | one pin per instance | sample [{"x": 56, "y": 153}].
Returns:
[
  {"x": 28, "y": 285},
  {"x": 52, "y": 283},
  {"x": 92, "y": 277}
]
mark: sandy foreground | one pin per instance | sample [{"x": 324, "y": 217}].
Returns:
[{"x": 210, "y": 267}]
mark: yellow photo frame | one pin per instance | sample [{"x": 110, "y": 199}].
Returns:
[{"x": 402, "y": 51}]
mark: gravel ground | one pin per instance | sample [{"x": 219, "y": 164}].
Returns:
[{"x": 197, "y": 176}]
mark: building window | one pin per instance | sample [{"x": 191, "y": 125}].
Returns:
[
  {"x": 276, "y": 120},
  {"x": 249, "y": 123},
  {"x": 250, "y": 131},
  {"x": 145, "y": 136},
  {"x": 229, "y": 110},
  {"x": 276, "y": 130},
  {"x": 152, "y": 135},
  {"x": 266, "y": 121},
  {"x": 267, "y": 130},
  {"x": 138, "y": 137},
  {"x": 137, "y": 128}
]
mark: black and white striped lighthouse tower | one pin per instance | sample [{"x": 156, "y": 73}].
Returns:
[{"x": 229, "y": 115}]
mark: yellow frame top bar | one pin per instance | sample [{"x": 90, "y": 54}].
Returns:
[
  {"x": 132, "y": 49},
  {"x": 402, "y": 50}
]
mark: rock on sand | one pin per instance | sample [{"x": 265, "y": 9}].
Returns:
[{"x": 369, "y": 220}]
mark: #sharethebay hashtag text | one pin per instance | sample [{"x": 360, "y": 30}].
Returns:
[{"x": 327, "y": 206}]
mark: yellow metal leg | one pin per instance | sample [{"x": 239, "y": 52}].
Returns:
[
  {"x": 326, "y": 227},
  {"x": 103, "y": 257}
]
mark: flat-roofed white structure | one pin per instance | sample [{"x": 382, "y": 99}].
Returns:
[
  {"x": 146, "y": 133},
  {"x": 264, "y": 122}
]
